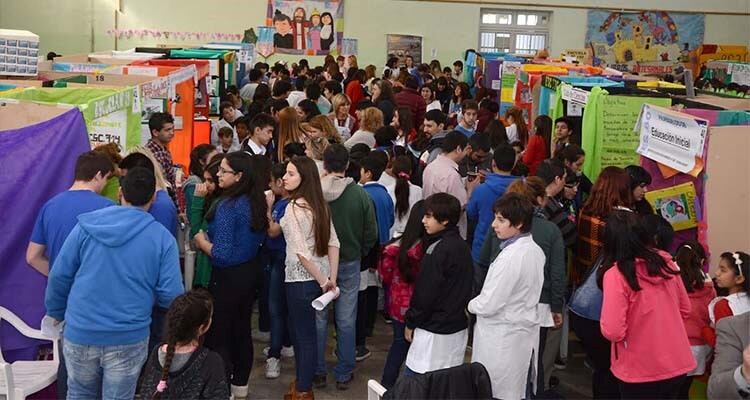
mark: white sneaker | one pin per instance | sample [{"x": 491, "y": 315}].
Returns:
[
  {"x": 273, "y": 368},
  {"x": 286, "y": 352},
  {"x": 239, "y": 392}
]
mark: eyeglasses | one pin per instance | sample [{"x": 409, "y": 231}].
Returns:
[{"x": 223, "y": 171}]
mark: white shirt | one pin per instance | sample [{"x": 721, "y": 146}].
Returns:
[
  {"x": 512, "y": 132},
  {"x": 295, "y": 97},
  {"x": 432, "y": 351},
  {"x": 415, "y": 195},
  {"x": 248, "y": 91},
  {"x": 256, "y": 148},
  {"x": 297, "y": 226},
  {"x": 215, "y": 133},
  {"x": 435, "y": 105}
]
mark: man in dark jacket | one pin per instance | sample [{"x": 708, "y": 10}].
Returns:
[
  {"x": 411, "y": 98},
  {"x": 436, "y": 322}
]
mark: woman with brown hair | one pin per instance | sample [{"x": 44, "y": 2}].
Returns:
[
  {"x": 370, "y": 76},
  {"x": 372, "y": 120},
  {"x": 312, "y": 260},
  {"x": 290, "y": 129},
  {"x": 322, "y": 126},
  {"x": 382, "y": 97},
  {"x": 517, "y": 129}
]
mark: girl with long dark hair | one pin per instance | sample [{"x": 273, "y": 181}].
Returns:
[
  {"x": 538, "y": 148},
  {"x": 399, "y": 266},
  {"x": 236, "y": 229},
  {"x": 407, "y": 194},
  {"x": 644, "y": 304},
  {"x": 312, "y": 260},
  {"x": 182, "y": 368},
  {"x": 516, "y": 130},
  {"x": 205, "y": 196}
]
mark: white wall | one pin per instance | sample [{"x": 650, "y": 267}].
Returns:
[{"x": 65, "y": 26}]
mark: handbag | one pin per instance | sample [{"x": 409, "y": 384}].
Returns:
[{"x": 586, "y": 300}]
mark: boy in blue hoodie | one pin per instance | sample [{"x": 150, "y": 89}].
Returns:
[
  {"x": 371, "y": 169},
  {"x": 479, "y": 208},
  {"x": 115, "y": 265}
]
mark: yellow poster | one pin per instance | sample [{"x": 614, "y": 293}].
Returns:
[{"x": 676, "y": 204}]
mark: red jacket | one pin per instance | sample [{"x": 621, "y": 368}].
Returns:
[
  {"x": 649, "y": 341},
  {"x": 399, "y": 290},
  {"x": 698, "y": 318},
  {"x": 356, "y": 94},
  {"x": 536, "y": 152},
  {"x": 411, "y": 98}
]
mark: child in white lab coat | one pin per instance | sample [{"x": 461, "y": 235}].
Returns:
[{"x": 506, "y": 335}]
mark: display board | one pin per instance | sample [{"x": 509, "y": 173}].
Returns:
[{"x": 309, "y": 27}]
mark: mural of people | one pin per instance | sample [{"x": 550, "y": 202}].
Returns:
[
  {"x": 283, "y": 37},
  {"x": 314, "y": 33},
  {"x": 300, "y": 28},
  {"x": 327, "y": 31}
]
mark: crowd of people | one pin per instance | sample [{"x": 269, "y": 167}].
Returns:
[{"x": 480, "y": 229}]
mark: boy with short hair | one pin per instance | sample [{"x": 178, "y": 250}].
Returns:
[
  {"x": 563, "y": 133},
  {"x": 468, "y": 121},
  {"x": 458, "y": 71},
  {"x": 371, "y": 169},
  {"x": 226, "y": 137},
  {"x": 436, "y": 322},
  {"x": 260, "y": 135}
]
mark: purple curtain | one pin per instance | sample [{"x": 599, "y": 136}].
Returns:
[{"x": 36, "y": 162}]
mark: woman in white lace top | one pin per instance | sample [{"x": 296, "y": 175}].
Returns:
[{"x": 312, "y": 259}]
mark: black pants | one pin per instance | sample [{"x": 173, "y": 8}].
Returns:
[
  {"x": 540, "y": 383},
  {"x": 665, "y": 389},
  {"x": 233, "y": 290},
  {"x": 264, "y": 314},
  {"x": 684, "y": 393},
  {"x": 603, "y": 383},
  {"x": 367, "y": 310}
]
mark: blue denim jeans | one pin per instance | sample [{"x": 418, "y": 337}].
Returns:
[
  {"x": 277, "y": 303},
  {"x": 299, "y": 296},
  {"x": 108, "y": 372},
  {"x": 345, "y": 312},
  {"x": 396, "y": 355}
]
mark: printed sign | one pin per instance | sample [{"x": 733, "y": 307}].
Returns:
[{"x": 674, "y": 139}]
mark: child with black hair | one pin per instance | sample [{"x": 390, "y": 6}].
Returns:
[
  {"x": 226, "y": 140},
  {"x": 506, "y": 308},
  {"x": 281, "y": 344},
  {"x": 639, "y": 181},
  {"x": 182, "y": 368},
  {"x": 732, "y": 275},
  {"x": 292, "y": 150},
  {"x": 371, "y": 168},
  {"x": 399, "y": 268},
  {"x": 660, "y": 231},
  {"x": 205, "y": 196},
  {"x": 406, "y": 194},
  {"x": 436, "y": 322},
  {"x": 690, "y": 257}
]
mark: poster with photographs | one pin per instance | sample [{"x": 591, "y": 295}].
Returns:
[
  {"x": 404, "y": 45},
  {"x": 307, "y": 27}
]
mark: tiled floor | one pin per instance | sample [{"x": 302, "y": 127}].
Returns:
[{"x": 575, "y": 380}]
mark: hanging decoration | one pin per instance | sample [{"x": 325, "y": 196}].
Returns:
[{"x": 174, "y": 35}]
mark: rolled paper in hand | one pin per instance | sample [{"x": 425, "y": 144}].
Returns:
[
  {"x": 321, "y": 302},
  {"x": 49, "y": 329}
]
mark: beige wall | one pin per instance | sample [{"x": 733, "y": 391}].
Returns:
[{"x": 66, "y": 26}]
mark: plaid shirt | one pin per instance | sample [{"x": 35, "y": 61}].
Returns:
[{"x": 164, "y": 157}]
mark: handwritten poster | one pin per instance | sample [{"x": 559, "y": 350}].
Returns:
[
  {"x": 676, "y": 204},
  {"x": 616, "y": 140}
]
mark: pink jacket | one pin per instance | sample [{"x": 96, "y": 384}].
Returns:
[
  {"x": 649, "y": 341},
  {"x": 698, "y": 318}
]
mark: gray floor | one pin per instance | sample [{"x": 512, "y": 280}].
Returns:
[{"x": 575, "y": 380}]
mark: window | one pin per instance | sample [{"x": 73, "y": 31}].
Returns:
[{"x": 518, "y": 32}]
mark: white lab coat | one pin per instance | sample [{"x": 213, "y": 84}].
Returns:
[{"x": 506, "y": 335}]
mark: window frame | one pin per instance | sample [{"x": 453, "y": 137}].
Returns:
[{"x": 514, "y": 29}]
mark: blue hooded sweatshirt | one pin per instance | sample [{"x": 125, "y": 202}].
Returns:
[
  {"x": 480, "y": 205},
  {"x": 116, "y": 264},
  {"x": 384, "y": 209}
]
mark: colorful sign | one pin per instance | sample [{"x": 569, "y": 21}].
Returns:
[
  {"x": 674, "y": 139},
  {"x": 634, "y": 40},
  {"x": 309, "y": 27},
  {"x": 676, "y": 204},
  {"x": 401, "y": 46}
]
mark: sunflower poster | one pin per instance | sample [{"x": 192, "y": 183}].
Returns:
[
  {"x": 308, "y": 27},
  {"x": 647, "y": 42},
  {"x": 676, "y": 204}
]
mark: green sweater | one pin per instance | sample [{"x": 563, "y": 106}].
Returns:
[
  {"x": 197, "y": 219},
  {"x": 547, "y": 236},
  {"x": 353, "y": 217}
]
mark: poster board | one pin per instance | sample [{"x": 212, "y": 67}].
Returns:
[
  {"x": 309, "y": 27},
  {"x": 608, "y": 135},
  {"x": 728, "y": 190},
  {"x": 401, "y": 46},
  {"x": 108, "y": 113}
]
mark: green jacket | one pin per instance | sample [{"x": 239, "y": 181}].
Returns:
[
  {"x": 547, "y": 236},
  {"x": 353, "y": 216},
  {"x": 197, "y": 219}
]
